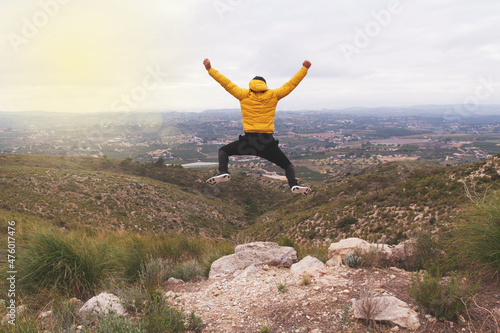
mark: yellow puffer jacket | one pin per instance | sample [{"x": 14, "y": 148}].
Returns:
[{"x": 258, "y": 103}]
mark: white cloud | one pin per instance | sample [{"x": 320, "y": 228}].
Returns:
[{"x": 91, "y": 52}]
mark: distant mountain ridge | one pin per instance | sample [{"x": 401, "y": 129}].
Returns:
[{"x": 43, "y": 119}]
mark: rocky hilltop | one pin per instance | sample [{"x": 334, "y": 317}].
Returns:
[{"x": 262, "y": 288}]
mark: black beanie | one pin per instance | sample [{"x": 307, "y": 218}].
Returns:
[{"x": 260, "y": 78}]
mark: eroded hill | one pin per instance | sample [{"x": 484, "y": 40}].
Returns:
[{"x": 383, "y": 203}]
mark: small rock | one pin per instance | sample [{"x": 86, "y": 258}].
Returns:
[
  {"x": 387, "y": 308},
  {"x": 44, "y": 314},
  {"x": 173, "y": 280},
  {"x": 103, "y": 303},
  {"x": 335, "y": 261},
  {"x": 307, "y": 265}
]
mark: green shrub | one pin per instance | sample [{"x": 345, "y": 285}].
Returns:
[
  {"x": 188, "y": 270},
  {"x": 132, "y": 251},
  {"x": 160, "y": 317},
  {"x": 474, "y": 242},
  {"x": 111, "y": 323},
  {"x": 345, "y": 317},
  {"x": 24, "y": 323},
  {"x": 345, "y": 223},
  {"x": 282, "y": 287},
  {"x": 353, "y": 260},
  {"x": 64, "y": 314},
  {"x": 423, "y": 251},
  {"x": 286, "y": 241},
  {"x": 134, "y": 298},
  {"x": 155, "y": 272},
  {"x": 442, "y": 299},
  {"x": 195, "y": 324},
  {"x": 78, "y": 267},
  {"x": 373, "y": 257},
  {"x": 305, "y": 280},
  {"x": 319, "y": 252}
]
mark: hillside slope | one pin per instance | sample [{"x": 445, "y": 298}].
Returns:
[
  {"x": 383, "y": 203},
  {"x": 124, "y": 194}
]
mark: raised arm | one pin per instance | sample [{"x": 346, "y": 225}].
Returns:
[
  {"x": 294, "y": 81},
  {"x": 230, "y": 87}
]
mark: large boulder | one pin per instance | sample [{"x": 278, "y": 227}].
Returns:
[
  {"x": 103, "y": 304},
  {"x": 338, "y": 251},
  {"x": 308, "y": 265},
  {"x": 258, "y": 254},
  {"x": 346, "y": 246},
  {"x": 386, "y": 308}
]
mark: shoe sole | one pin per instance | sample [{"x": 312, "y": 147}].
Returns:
[
  {"x": 303, "y": 190},
  {"x": 219, "y": 179}
]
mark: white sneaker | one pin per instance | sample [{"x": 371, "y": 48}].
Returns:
[
  {"x": 223, "y": 177},
  {"x": 301, "y": 189}
]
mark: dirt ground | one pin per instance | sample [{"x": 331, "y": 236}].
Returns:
[{"x": 276, "y": 299}]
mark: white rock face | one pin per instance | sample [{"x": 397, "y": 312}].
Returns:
[
  {"x": 348, "y": 245},
  {"x": 103, "y": 303},
  {"x": 258, "y": 254},
  {"x": 307, "y": 265},
  {"x": 386, "y": 308}
]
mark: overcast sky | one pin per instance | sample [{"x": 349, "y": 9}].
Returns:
[{"x": 101, "y": 55}]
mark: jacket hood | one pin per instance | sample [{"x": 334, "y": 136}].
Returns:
[{"x": 258, "y": 86}]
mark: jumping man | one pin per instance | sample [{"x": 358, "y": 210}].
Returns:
[{"x": 258, "y": 108}]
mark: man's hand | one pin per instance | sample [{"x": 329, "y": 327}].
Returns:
[
  {"x": 207, "y": 64},
  {"x": 306, "y": 64}
]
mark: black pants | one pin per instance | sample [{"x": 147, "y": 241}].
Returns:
[{"x": 258, "y": 144}]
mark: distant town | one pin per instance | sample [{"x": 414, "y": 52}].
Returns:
[{"x": 320, "y": 143}]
